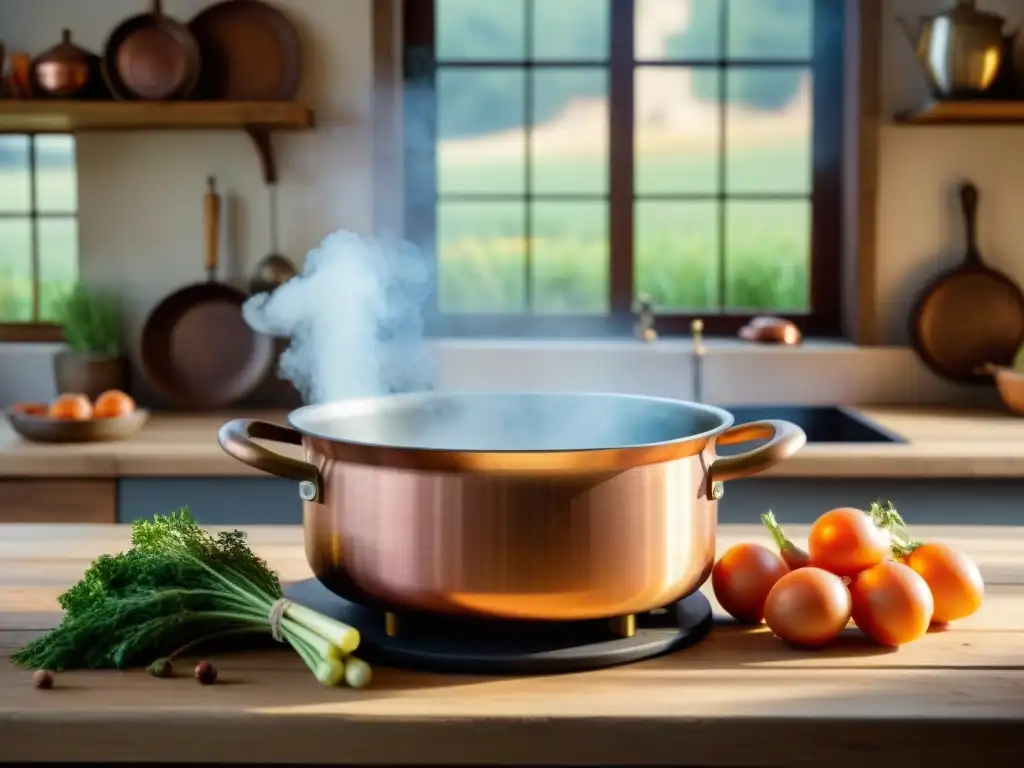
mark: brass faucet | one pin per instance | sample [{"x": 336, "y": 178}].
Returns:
[
  {"x": 699, "y": 350},
  {"x": 697, "y": 330},
  {"x": 643, "y": 328}
]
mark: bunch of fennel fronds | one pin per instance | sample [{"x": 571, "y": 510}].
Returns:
[{"x": 177, "y": 586}]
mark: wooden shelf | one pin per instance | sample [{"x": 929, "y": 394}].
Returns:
[
  {"x": 966, "y": 113},
  {"x": 257, "y": 118}
]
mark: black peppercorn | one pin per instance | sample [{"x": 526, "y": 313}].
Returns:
[
  {"x": 161, "y": 668},
  {"x": 206, "y": 673},
  {"x": 42, "y": 678}
]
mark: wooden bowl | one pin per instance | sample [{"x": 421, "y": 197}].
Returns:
[
  {"x": 43, "y": 429},
  {"x": 1010, "y": 384}
]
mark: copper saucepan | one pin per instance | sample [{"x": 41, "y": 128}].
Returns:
[{"x": 543, "y": 506}]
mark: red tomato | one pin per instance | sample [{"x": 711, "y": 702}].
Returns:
[
  {"x": 891, "y": 603},
  {"x": 808, "y": 608},
  {"x": 845, "y": 541},
  {"x": 953, "y": 578},
  {"x": 742, "y": 579}
]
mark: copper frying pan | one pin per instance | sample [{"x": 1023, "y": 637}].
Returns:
[
  {"x": 251, "y": 51},
  {"x": 197, "y": 350},
  {"x": 970, "y": 316},
  {"x": 151, "y": 57}
]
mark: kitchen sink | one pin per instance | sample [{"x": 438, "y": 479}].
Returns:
[{"x": 821, "y": 423}]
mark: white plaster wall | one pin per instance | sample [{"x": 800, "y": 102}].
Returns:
[{"x": 140, "y": 197}]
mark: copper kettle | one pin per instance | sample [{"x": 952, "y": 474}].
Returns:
[
  {"x": 960, "y": 51},
  {"x": 66, "y": 71}
]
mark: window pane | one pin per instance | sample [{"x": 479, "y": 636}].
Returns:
[
  {"x": 569, "y": 143},
  {"x": 771, "y": 29},
  {"x": 58, "y": 263},
  {"x": 15, "y": 270},
  {"x": 676, "y": 139},
  {"x": 570, "y": 257},
  {"x": 56, "y": 185},
  {"x": 767, "y": 262},
  {"x": 677, "y": 254},
  {"x": 481, "y": 257},
  {"x": 478, "y": 30},
  {"x": 768, "y": 131},
  {"x": 481, "y": 116},
  {"x": 570, "y": 29},
  {"x": 14, "y": 187},
  {"x": 677, "y": 29}
]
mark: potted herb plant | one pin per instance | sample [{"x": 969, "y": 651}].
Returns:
[{"x": 94, "y": 361}]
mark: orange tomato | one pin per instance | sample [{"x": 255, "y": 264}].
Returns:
[
  {"x": 71, "y": 406},
  {"x": 742, "y": 579},
  {"x": 31, "y": 409},
  {"x": 113, "y": 404},
  {"x": 953, "y": 578},
  {"x": 808, "y": 607},
  {"x": 891, "y": 603},
  {"x": 845, "y": 541}
]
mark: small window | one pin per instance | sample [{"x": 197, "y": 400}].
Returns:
[{"x": 38, "y": 230}]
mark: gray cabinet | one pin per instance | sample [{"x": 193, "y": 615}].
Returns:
[{"x": 271, "y": 501}]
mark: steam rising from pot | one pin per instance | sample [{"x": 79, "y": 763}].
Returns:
[
  {"x": 354, "y": 314},
  {"x": 354, "y": 319}
]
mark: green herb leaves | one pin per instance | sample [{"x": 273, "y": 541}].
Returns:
[{"x": 176, "y": 585}]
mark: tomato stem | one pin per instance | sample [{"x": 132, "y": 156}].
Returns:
[
  {"x": 792, "y": 555},
  {"x": 890, "y": 520},
  {"x": 768, "y": 518}
]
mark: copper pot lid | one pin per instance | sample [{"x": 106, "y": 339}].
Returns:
[
  {"x": 65, "y": 52},
  {"x": 63, "y": 70}
]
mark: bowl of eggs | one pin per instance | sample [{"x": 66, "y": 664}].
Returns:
[{"x": 74, "y": 418}]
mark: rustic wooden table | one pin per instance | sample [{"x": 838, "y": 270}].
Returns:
[{"x": 739, "y": 698}]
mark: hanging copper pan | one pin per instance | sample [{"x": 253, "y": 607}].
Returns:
[
  {"x": 197, "y": 350},
  {"x": 971, "y": 316}
]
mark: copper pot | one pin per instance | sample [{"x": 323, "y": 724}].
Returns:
[
  {"x": 511, "y": 506},
  {"x": 66, "y": 71}
]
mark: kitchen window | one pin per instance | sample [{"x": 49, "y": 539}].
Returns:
[
  {"x": 38, "y": 233},
  {"x": 563, "y": 157}
]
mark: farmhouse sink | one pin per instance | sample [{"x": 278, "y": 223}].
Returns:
[{"x": 821, "y": 423}]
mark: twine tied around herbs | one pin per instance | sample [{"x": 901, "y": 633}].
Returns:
[{"x": 276, "y": 617}]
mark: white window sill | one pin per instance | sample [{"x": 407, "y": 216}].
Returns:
[{"x": 674, "y": 345}]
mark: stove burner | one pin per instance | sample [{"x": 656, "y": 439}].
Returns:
[{"x": 472, "y": 646}]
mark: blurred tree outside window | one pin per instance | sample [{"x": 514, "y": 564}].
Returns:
[
  {"x": 38, "y": 226},
  {"x": 583, "y": 152}
]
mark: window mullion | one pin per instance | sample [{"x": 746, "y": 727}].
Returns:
[
  {"x": 620, "y": 152},
  {"x": 529, "y": 118},
  {"x": 33, "y": 210}
]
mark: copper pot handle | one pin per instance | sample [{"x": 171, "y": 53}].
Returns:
[
  {"x": 784, "y": 439},
  {"x": 237, "y": 439}
]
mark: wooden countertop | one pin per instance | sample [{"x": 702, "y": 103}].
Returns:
[
  {"x": 942, "y": 443},
  {"x": 740, "y": 697}
]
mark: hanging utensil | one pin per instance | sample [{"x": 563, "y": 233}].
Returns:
[
  {"x": 970, "y": 316},
  {"x": 197, "y": 349},
  {"x": 274, "y": 269}
]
